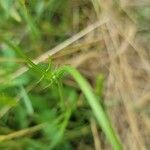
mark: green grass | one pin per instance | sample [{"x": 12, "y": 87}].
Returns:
[
  {"x": 50, "y": 107},
  {"x": 53, "y": 77}
]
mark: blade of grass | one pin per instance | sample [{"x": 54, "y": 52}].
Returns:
[
  {"x": 27, "y": 101},
  {"x": 60, "y": 89},
  {"x": 63, "y": 126},
  {"x": 97, "y": 109},
  {"x": 29, "y": 20}
]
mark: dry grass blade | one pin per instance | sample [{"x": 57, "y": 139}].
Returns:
[
  {"x": 60, "y": 47},
  {"x": 20, "y": 133},
  {"x": 96, "y": 136}
]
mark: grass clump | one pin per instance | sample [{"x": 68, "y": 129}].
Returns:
[
  {"x": 45, "y": 106},
  {"x": 97, "y": 108}
]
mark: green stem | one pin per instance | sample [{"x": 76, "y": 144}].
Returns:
[
  {"x": 60, "y": 90},
  {"x": 97, "y": 109}
]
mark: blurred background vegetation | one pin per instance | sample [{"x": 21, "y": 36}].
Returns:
[{"x": 113, "y": 53}]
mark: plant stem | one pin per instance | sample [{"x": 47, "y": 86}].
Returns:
[{"x": 97, "y": 109}]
